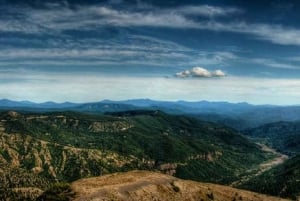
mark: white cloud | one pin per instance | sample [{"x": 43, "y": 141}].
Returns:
[
  {"x": 218, "y": 73},
  {"x": 200, "y": 72},
  {"x": 183, "y": 74}
]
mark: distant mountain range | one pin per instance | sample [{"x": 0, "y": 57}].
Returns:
[
  {"x": 28, "y": 104},
  {"x": 237, "y": 115},
  {"x": 208, "y": 106}
]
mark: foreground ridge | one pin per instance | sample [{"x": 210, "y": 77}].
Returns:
[{"x": 148, "y": 186}]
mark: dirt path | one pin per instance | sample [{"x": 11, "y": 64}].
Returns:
[{"x": 277, "y": 160}]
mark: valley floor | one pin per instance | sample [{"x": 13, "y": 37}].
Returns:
[
  {"x": 263, "y": 167},
  {"x": 279, "y": 159}
]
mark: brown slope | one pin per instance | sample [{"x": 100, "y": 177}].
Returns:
[{"x": 153, "y": 186}]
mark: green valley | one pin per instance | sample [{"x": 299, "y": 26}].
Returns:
[{"x": 65, "y": 146}]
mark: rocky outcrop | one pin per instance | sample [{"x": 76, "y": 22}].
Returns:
[
  {"x": 110, "y": 127},
  {"x": 61, "y": 121}
]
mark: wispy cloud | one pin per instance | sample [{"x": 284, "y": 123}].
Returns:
[
  {"x": 294, "y": 58},
  {"x": 208, "y": 11},
  {"x": 276, "y": 34},
  {"x": 129, "y": 49},
  {"x": 58, "y": 19},
  {"x": 273, "y": 63}
]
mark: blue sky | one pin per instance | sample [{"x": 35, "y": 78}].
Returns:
[{"x": 215, "y": 50}]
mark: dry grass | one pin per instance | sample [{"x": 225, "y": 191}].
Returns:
[{"x": 152, "y": 186}]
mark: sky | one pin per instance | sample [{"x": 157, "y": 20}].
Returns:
[{"x": 90, "y": 50}]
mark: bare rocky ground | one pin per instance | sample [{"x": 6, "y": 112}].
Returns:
[{"x": 153, "y": 186}]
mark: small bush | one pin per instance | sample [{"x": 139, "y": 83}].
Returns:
[
  {"x": 57, "y": 192},
  {"x": 210, "y": 196},
  {"x": 175, "y": 188}
]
